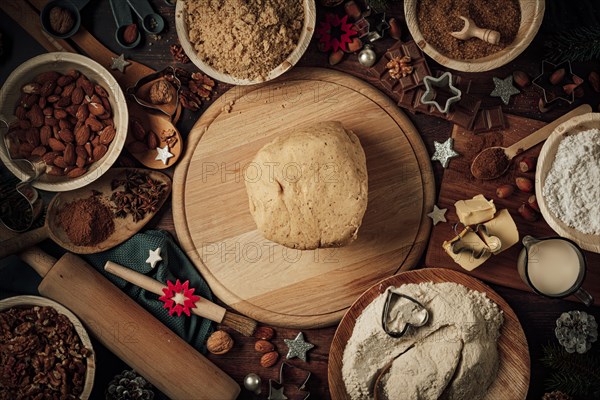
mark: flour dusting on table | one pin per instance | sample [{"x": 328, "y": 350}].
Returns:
[
  {"x": 572, "y": 186},
  {"x": 454, "y": 356}
]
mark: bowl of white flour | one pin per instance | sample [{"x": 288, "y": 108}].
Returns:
[{"x": 568, "y": 180}]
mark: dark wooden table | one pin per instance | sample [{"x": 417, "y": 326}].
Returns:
[{"x": 537, "y": 314}]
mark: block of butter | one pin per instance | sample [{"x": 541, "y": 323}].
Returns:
[
  {"x": 467, "y": 250},
  {"x": 475, "y": 211},
  {"x": 504, "y": 228}
]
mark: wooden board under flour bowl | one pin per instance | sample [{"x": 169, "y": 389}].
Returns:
[{"x": 269, "y": 282}]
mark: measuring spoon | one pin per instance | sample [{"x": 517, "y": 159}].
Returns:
[
  {"x": 124, "y": 227},
  {"x": 524, "y": 144},
  {"x": 72, "y": 6},
  {"x": 123, "y": 19},
  {"x": 151, "y": 21}
]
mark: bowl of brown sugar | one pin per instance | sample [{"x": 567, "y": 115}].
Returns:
[
  {"x": 431, "y": 23},
  {"x": 245, "y": 42}
]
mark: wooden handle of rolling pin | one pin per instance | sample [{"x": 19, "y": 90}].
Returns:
[
  {"x": 23, "y": 241},
  {"x": 204, "y": 308},
  {"x": 131, "y": 332}
]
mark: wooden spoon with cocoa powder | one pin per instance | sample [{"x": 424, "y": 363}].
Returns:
[
  {"x": 493, "y": 162},
  {"x": 102, "y": 188}
]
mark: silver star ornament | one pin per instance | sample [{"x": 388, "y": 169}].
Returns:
[
  {"x": 437, "y": 215},
  {"x": 119, "y": 63},
  {"x": 444, "y": 152},
  {"x": 504, "y": 89},
  {"x": 298, "y": 347}
]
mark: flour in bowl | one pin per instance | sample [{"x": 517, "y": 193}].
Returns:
[
  {"x": 453, "y": 356},
  {"x": 572, "y": 186}
]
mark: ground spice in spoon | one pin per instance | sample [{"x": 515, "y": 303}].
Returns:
[
  {"x": 86, "y": 222},
  {"x": 490, "y": 163}
]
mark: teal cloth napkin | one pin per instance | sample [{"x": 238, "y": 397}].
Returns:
[{"x": 174, "y": 265}]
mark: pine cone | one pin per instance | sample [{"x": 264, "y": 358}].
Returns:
[
  {"x": 128, "y": 385},
  {"x": 556, "y": 395}
]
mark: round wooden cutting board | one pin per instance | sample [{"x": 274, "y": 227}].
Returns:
[
  {"x": 512, "y": 381},
  {"x": 269, "y": 282}
]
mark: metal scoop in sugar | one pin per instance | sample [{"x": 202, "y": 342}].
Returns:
[{"x": 400, "y": 312}]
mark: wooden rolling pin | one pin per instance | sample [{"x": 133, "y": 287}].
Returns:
[{"x": 129, "y": 331}]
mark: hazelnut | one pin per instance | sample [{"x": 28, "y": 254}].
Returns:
[
  {"x": 521, "y": 79},
  {"x": 395, "y": 30},
  {"x": 263, "y": 346},
  {"x": 528, "y": 213},
  {"x": 505, "y": 191},
  {"x": 557, "y": 76},
  {"x": 264, "y": 333},
  {"x": 269, "y": 359},
  {"x": 160, "y": 92},
  {"x": 219, "y": 342},
  {"x": 594, "y": 79},
  {"x": 61, "y": 20},
  {"x": 527, "y": 164},
  {"x": 524, "y": 184},
  {"x": 532, "y": 202},
  {"x": 336, "y": 57}
]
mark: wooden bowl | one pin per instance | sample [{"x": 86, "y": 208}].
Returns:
[
  {"x": 291, "y": 60},
  {"x": 546, "y": 159},
  {"x": 24, "y": 301},
  {"x": 512, "y": 378},
  {"x": 62, "y": 62},
  {"x": 532, "y": 14}
]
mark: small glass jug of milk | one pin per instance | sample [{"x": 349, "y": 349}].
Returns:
[{"x": 554, "y": 267}]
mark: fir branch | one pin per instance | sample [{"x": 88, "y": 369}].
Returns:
[
  {"x": 577, "y": 44},
  {"x": 577, "y": 374},
  {"x": 379, "y": 5}
]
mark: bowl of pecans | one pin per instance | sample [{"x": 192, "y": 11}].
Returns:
[
  {"x": 45, "y": 351},
  {"x": 66, "y": 113}
]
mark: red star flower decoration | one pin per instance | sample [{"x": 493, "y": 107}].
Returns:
[
  {"x": 179, "y": 298},
  {"x": 330, "y": 29}
]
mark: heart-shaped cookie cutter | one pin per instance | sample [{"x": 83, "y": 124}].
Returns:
[
  {"x": 386, "y": 313},
  {"x": 171, "y": 75},
  {"x": 24, "y": 199}
]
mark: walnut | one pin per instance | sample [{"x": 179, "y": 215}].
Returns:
[
  {"x": 61, "y": 20},
  {"x": 399, "y": 67},
  {"x": 178, "y": 54},
  {"x": 160, "y": 92},
  {"x": 219, "y": 342}
]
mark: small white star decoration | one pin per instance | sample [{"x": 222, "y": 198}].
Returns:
[
  {"x": 163, "y": 154},
  {"x": 119, "y": 63},
  {"x": 298, "y": 347},
  {"x": 154, "y": 257},
  {"x": 444, "y": 152},
  {"x": 504, "y": 89},
  {"x": 437, "y": 215}
]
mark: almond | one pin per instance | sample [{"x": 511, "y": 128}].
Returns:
[
  {"x": 152, "y": 140},
  {"x": 57, "y": 90},
  {"x": 31, "y": 88},
  {"x": 269, "y": 359},
  {"x": 139, "y": 133},
  {"x": 263, "y": 346},
  {"x": 42, "y": 102},
  {"x": 93, "y": 123},
  {"x": 45, "y": 134},
  {"x": 47, "y": 77},
  {"x": 99, "y": 152},
  {"x": 47, "y": 88},
  {"x": 48, "y": 111},
  {"x": 39, "y": 151},
  {"x": 86, "y": 85},
  {"x": 51, "y": 121},
  {"x": 96, "y": 108},
  {"x": 72, "y": 110},
  {"x": 20, "y": 112},
  {"x": 80, "y": 161},
  {"x": 524, "y": 184},
  {"x": 130, "y": 34},
  {"x": 82, "y": 135},
  {"x": 64, "y": 80},
  {"x": 68, "y": 90},
  {"x": 82, "y": 112},
  {"x": 136, "y": 147},
  {"x": 106, "y": 104},
  {"x": 63, "y": 102},
  {"x": 59, "y": 114},
  {"x": 60, "y": 162},
  {"x": 66, "y": 135},
  {"x": 264, "y": 333},
  {"x": 69, "y": 154},
  {"x": 594, "y": 79},
  {"x": 33, "y": 137},
  {"x": 49, "y": 157},
  {"x": 81, "y": 152},
  {"x": 30, "y": 100},
  {"x": 55, "y": 171},
  {"x": 77, "y": 95},
  {"x": 107, "y": 135},
  {"x": 88, "y": 149},
  {"x": 100, "y": 91},
  {"x": 76, "y": 172},
  {"x": 36, "y": 116},
  {"x": 56, "y": 145}
]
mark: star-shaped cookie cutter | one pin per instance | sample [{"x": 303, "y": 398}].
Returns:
[
  {"x": 444, "y": 81},
  {"x": 277, "y": 394},
  {"x": 543, "y": 81}
]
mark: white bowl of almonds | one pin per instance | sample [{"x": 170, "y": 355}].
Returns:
[{"x": 66, "y": 110}]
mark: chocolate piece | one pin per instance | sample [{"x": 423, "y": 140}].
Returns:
[
  {"x": 388, "y": 82},
  {"x": 379, "y": 69},
  {"x": 463, "y": 113},
  {"x": 418, "y": 62},
  {"x": 489, "y": 119}
]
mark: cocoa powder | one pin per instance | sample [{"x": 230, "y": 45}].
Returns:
[
  {"x": 437, "y": 18},
  {"x": 86, "y": 221},
  {"x": 491, "y": 163}
]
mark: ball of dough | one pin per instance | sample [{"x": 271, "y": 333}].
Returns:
[{"x": 308, "y": 188}]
